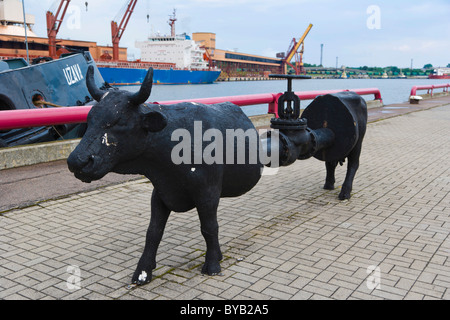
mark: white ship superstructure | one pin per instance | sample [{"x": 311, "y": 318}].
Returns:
[
  {"x": 179, "y": 49},
  {"x": 442, "y": 71}
]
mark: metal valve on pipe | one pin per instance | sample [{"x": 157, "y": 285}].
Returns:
[{"x": 330, "y": 129}]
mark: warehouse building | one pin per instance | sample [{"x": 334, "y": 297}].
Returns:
[{"x": 235, "y": 63}]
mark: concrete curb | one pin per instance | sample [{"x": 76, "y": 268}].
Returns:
[{"x": 14, "y": 157}]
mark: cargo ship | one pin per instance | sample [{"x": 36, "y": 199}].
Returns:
[
  {"x": 176, "y": 59},
  {"x": 440, "y": 73}
]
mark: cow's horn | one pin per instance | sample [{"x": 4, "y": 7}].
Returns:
[
  {"x": 95, "y": 92},
  {"x": 146, "y": 88}
]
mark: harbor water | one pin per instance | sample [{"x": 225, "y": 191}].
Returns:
[{"x": 392, "y": 90}]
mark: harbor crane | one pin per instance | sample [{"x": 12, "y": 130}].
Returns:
[
  {"x": 117, "y": 30},
  {"x": 53, "y": 24},
  {"x": 296, "y": 52}
]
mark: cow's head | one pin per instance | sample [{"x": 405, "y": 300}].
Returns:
[{"x": 118, "y": 129}]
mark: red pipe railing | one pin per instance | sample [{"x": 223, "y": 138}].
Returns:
[
  {"x": 272, "y": 98},
  {"x": 429, "y": 88},
  {"x": 27, "y": 118}
]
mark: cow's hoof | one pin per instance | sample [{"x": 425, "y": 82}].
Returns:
[
  {"x": 344, "y": 195},
  {"x": 211, "y": 269},
  {"x": 141, "y": 277},
  {"x": 328, "y": 186}
]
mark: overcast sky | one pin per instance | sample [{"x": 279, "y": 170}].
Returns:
[{"x": 358, "y": 32}]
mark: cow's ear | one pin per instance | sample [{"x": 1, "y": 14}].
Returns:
[{"x": 153, "y": 121}]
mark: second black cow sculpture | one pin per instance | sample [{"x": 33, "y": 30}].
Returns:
[{"x": 126, "y": 136}]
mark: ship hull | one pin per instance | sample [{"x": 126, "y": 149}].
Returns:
[
  {"x": 60, "y": 82},
  {"x": 445, "y": 76},
  {"x": 131, "y": 76}
]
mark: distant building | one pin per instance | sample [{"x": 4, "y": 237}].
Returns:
[{"x": 232, "y": 62}]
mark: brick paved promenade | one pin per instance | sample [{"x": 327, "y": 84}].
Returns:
[{"x": 286, "y": 239}]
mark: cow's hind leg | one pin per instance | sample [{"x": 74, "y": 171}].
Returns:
[
  {"x": 352, "y": 167},
  {"x": 210, "y": 230},
  {"x": 330, "y": 180},
  {"x": 147, "y": 262}
]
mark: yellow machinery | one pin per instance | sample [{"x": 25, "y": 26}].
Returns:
[{"x": 294, "y": 51}]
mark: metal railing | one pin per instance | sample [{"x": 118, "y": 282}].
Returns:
[
  {"x": 26, "y": 118},
  {"x": 430, "y": 88}
]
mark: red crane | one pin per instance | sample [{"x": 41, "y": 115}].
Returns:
[
  {"x": 53, "y": 24},
  {"x": 117, "y": 30}
]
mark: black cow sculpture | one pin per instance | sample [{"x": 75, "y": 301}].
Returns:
[{"x": 126, "y": 136}]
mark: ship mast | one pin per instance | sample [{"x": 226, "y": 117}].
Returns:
[{"x": 172, "y": 21}]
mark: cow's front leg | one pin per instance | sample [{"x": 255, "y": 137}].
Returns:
[
  {"x": 147, "y": 262},
  {"x": 210, "y": 231}
]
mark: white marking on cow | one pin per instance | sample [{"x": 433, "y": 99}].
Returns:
[
  {"x": 143, "y": 276},
  {"x": 106, "y": 142},
  {"x": 193, "y": 170}
]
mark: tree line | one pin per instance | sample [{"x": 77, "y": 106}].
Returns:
[{"x": 391, "y": 70}]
